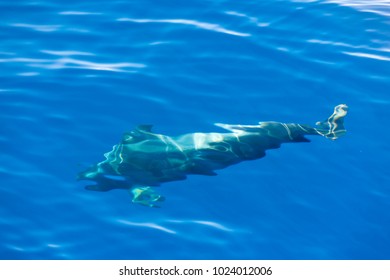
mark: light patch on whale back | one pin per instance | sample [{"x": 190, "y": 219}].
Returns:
[
  {"x": 215, "y": 137},
  {"x": 237, "y": 129},
  {"x": 199, "y": 140},
  {"x": 202, "y": 140}
]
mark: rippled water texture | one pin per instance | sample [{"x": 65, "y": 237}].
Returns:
[{"x": 75, "y": 75}]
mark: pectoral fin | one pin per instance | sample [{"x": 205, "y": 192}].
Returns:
[{"x": 146, "y": 196}]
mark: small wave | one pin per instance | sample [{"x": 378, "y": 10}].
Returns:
[
  {"x": 78, "y": 13},
  {"x": 198, "y": 24},
  {"x": 213, "y": 225},
  {"x": 205, "y": 223},
  {"x": 355, "y": 47},
  {"x": 379, "y": 7},
  {"x": 54, "y": 246},
  {"x": 251, "y": 19},
  {"x": 368, "y": 55},
  {"x": 332, "y": 43},
  {"x": 15, "y": 248},
  {"x": 36, "y": 27},
  {"x": 147, "y": 225},
  {"x": 71, "y": 63},
  {"x": 67, "y": 53},
  {"x": 49, "y": 28}
]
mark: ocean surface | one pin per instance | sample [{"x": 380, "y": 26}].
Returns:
[{"x": 76, "y": 75}]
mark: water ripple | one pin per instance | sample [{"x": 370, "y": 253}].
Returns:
[
  {"x": 49, "y": 28},
  {"x": 333, "y": 43},
  {"x": 67, "y": 53},
  {"x": 368, "y": 55},
  {"x": 77, "y": 13},
  {"x": 211, "y": 224},
  {"x": 172, "y": 225},
  {"x": 198, "y": 24},
  {"x": 36, "y": 27},
  {"x": 364, "y": 53},
  {"x": 147, "y": 225},
  {"x": 251, "y": 19},
  {"x": 71, "y": 63},
  {"x": 379, "y": 7}
]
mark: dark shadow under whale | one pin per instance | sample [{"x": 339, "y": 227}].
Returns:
[{"x": 143, "y": 159}]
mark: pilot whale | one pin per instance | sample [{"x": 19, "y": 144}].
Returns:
[{"x": 143, "y": 159}]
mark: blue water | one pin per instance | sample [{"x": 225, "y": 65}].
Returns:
[{"x": 75, "y": 75}]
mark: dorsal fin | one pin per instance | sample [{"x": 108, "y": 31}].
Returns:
[
  {"x": 145, "y": 127},
  {"x": 138, "y": 134}
]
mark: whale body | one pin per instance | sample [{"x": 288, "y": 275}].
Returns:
[{"x": 144, "y": 160}]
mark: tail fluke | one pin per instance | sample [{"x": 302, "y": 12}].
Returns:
[{"x": 333, "y": 127}]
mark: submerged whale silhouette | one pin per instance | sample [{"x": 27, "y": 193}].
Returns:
[{"x": 143, "y": 159}]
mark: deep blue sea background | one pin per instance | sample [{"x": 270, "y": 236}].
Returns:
[{"x": 75, "y": 75}]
